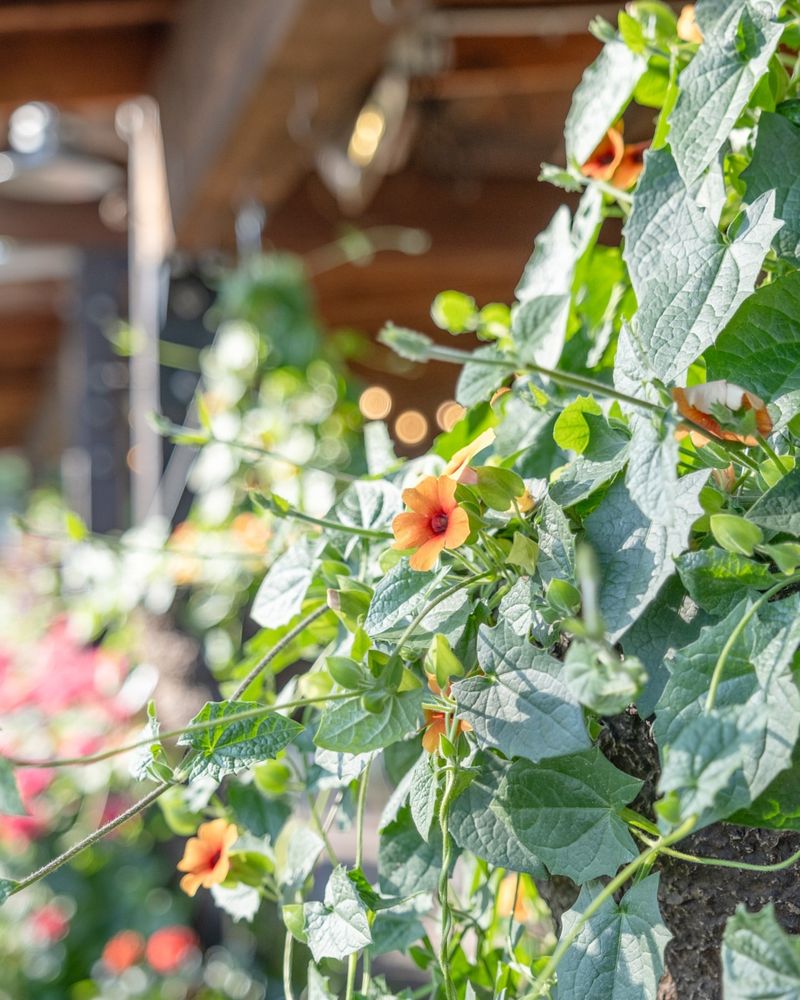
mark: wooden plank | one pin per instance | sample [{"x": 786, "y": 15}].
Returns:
[
  {"x": 76, "y": 225},
  {"x": 88, "y": 15},
  {"x": 226, "y": 117}
]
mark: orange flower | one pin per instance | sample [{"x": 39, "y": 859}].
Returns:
[
  {"x": 697, "y": 403},
  {"x": 205, "y": 857},
  {"x": 606, "y": 158},
  {"x": 437, "y": 522},
  {"x": 511, "y": 898},
  {"x": 688, "y": 28},
  {"x": 458, "y": 466},
  {"x": 631, "y": 165},
  {"x": 122, "y": 951},
  {"x": 436, "y": 722}
]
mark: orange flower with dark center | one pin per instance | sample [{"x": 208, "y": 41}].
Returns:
[
  {"x": 206, "y": 857},
  {"x": 631, "y": 165},
  {"x": 698, "y": 403},
  {"x": 122, "y": 951},
  {"x": 436, "y": 521},
  {"x": 604, "y": 161},
  {"x": 688, "y": 28}
]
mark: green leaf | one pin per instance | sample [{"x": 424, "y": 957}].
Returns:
[
  {"x": 778, "y": 806},
  {"x": 571, "y": 430},
  {"x": 347, "y": 726},
  {"x": 556, "y": 543},
  {"x": 636, "y": 555},
  {"x": 539, "y": 328},
  {"x": 759, "y": 959},
  {"x": 600, "y": 679},
  {"x": 261, "y": 816},
  {"x": 407, "y": 343},
  {"x": 231, "y": 747},
  {"x": 150, "y": 762},
  {"x": 517, "y": 606},
  {"x": 699, "y": 766},
  {"x": 477, "y": 381},
  {"x": 240, "y": 902},
  {"x": 757, "y": 691},
  {"x": 524, "y": 553},
  {"x": 498, "y": 488},
  {"x": 717, "y": 580},
  {"x": 406, "y": 863},
  {"x": 672, "y": 620},
  {"x": 454, "y": 312},
  {"x": 652, "y": 476},
  {"x": 716, "y": 85},
  {"x": 282, "y": 592},
  {"x": 10, "y": 802},
  {"x": 296, "y": 851},
  {"x": 339, "y": 926},
  {"x": 422, "y": 796},
  {"x": 604, "y": 457},
  {"x": 396, "y": 928},
  {"x": 760, "y": 347},
  {"x": 520, "y": 705},
  {"x": 779, "y": 508},
  {"x": 600, "y": 98},
  {"x": 689, "y": 280},
  {"x": 619, "y": 952},
  {"x": 582, "y": 794},
  {"x": 402, "y": 594},
  {"x": 774, "y": 168},
  {"x": 370, "y": 505},
  {"x": 550, "y": 267},
  {"x": 479, "y": 827}
]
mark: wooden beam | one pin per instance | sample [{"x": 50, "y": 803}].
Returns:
[
  {"x": 69, "y": 68},
  {"x": 88, "y": 15},
  {"x": 76, "y": 225},
  {"x": 226, "y": 117}
]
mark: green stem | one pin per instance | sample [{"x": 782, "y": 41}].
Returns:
[
  {"x": 324, "y": 522},
  {"x": 722, "y": 659},
  {"x": 723, "y": 862},
  {"x": 276, "y": 649},
  {"x": 361, "y": 808},
  {"x": 323, "y": 833},
  {"x": 645, "y": 858},
  {"x": 470, "y": 581},
  {"x": 92, "y": 838},
  {"x": 195, "y": 727},
  {"x": 288, "y": 945},
  {"x": 455, "y": 356},
  {"x": 444, "y": 873},
  {"x": 772, "y": 454}
]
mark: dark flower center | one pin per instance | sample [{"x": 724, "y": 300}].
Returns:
[
  {"x": 605, "y": 158},
  {"x": 214, "y": 859},
  {"x": 439, "y": 524}
]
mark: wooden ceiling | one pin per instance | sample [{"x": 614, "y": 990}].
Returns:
[{"x": 248, "y": 90}]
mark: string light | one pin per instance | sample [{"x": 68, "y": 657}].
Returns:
[
  {"x": 375, "y": 403},
  {"x": 411, "y": 427},
  {"x": 448, "y": 414},
  {"x": 367, "y": 134}
]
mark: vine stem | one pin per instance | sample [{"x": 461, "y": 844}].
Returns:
[
  {"x": 444, "y": 874},
  {"x": 770, "y": 452},
  {"x": 279, "y": 647},
  {"x": 288, "y": 943},
  {"x": 361, "y": 808},
  {"x": 456, "y": 356},
  {"x": 195, "y": 727},
  {"x": 725, "y": 652},
  {"x": 723, "y": 862},
  {"x": 430, "y": 606},
  {"x": 645, "y": 858},
  {"x": 324, "y": 522},
  {"x": 92, "y": 838}
]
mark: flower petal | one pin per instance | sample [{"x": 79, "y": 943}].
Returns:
[
  {"x": 461, "y": 459},
  {"x": 446, "y": 490},
  {"x": 631, "y": 165},
  {"x": 411, "y": 530},
  {"x": 426, "y": 555},
  {"x": 606, "y": 158},
  {"x": 190, "y": 884},
  {"x": 457, "y": 529},
  {"x": 424, "y": 497}
]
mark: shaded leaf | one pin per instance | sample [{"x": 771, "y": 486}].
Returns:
[
  {"x": 348, "y": 727},
  {"x": 282, "y": 591},
  {"x": 718, "y": 580},
  {"x": 774, "y": 168},
  {"x": 759, "y": 959},
  {"x": 339, "y": 926}
]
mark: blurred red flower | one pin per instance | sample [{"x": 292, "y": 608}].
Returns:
[
  {"x": 167, "y": 949},
  {"x": 122, "y": 951}
]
